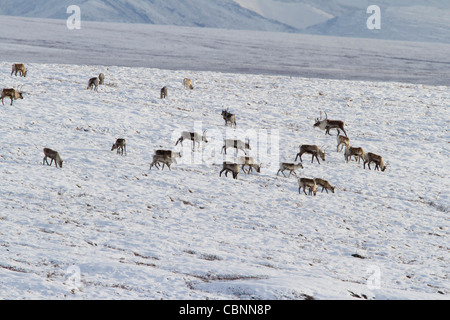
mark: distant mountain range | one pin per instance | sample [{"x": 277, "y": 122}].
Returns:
[{"x": 410, "y": 20}]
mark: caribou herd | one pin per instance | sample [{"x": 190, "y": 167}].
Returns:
[{"x": 165, "y": 158}]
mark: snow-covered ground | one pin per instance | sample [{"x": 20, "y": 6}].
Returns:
[
  {"x": 235, "y": 51},
  {"x": 105, "y": 226}
]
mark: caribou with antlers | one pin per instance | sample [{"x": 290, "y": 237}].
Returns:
[{"x": 326, "y": 124}]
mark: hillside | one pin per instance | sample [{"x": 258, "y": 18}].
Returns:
[
  {"x": 105, "y": 226},
  {"x": 417, "y": 20},
  {"x": 224, "y": 14},
  {"x": 412, "y": 23}
]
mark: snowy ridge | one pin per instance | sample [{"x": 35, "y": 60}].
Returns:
[
  {"x": 106, "y": 227},
  {"x": 418, "y": 20},
  {"x": 224, "y": 14},
  {"x": 412, "y": 23},
  {"x": 295, "y": 14}
]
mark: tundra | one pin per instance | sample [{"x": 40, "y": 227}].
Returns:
[
  {"x": 19, "y": 67},
  {"x": 163, "y": 92},
  {"x": 378, "y": 160},
  {"x": 307, "y": 182},
  {"x": 12, "y": 94},
  {"x": 230, "y": 167},
  {"x": 251, "y": 163},
  {"x": 93, "y": 83},
  {"x": 120, "y": 145},
  {"x": 54, "y": 155},
  {"x": 324, "y": 184},
  {"x": 329, "y": 124},
  {"x": 165, "y": 160},
  {"x": 229, "y": 118},
  {"x": 289, "y": 166},
  {"x": 311, "y": 149},
  {"x": 237, "y": 144},
  {"x": 195, "y": 137},
  {"x": 342, "y": 141},
  {"x": 356, "y": 152},
  {"x": 187, "y": 83}
]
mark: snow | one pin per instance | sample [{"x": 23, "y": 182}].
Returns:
[
  {"x": 196, "y": 13},
  {"x": 410, "y": 23},
  {"x": 295, "y": 14},
  {"x": 405, "y": 20},
  {"x": 235, "y": 51},
  {"x": 106, "y": 227},
  {"x": 418, "y": 20}
]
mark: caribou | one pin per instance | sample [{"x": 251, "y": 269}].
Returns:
[
  {"x": 120, "y": 145},
  {"x": 291, "y": 167},
  {"x": 13, "y": 94},
  {"x": 169, "y": 154},
  {"x": 311, "y": 149},
  {"x": 356, "y": 152},
  {"x": 101, "y": 78},
  {"x": 19, "y": 67},
  {"x": 324, "y": 184},
  {"x": 230, "y": 167},
  {"x": 378, "y": 160},
  {"x": 342, "y": 141},
  {"x": 307, "y": 182},
  {"x": 160, "y": 158},
  {"x": 237, "y": 144},
  {"x": 251, "y": 163},
  {"x": 194, "y": 136},
  {"x": 163, "y": 92},
  {"x": 326, "y": 124},
  {"x": 93, "y": 83},
  {"x": 229, "y": 117},
  {"x": 54, "y": 156},
  {"x": 187, "y": 83}
]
